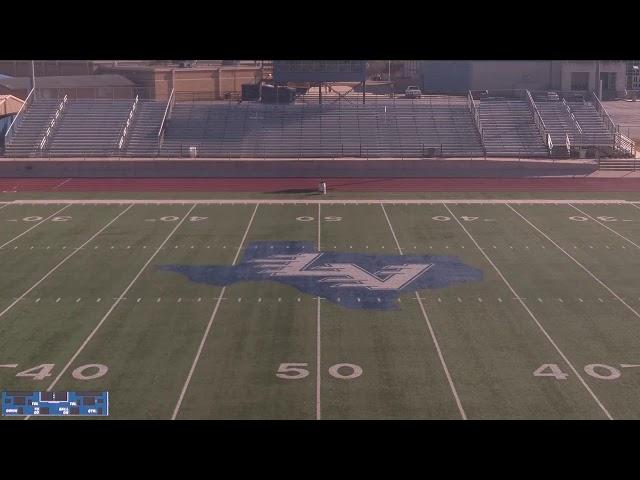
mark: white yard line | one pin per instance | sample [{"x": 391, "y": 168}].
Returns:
[
  {"x": 33, "y": 226},
  {"x": 605, "y": 226},
  {"x": 62, "y": 262},
  {"x": 176, "y": 410},
  {"x": 61, "y": 184},
  {"x": 4, "y": 205},
  {"x": 318, "y": 345},
  {"x": 633, "y": 204},
  {"x": 374, "y": 201},
  {"x": 117, "y": 301},
  {"x": 577, "y": 263},
  {"x": 431, "y": 331},
  {"x": 533, "y": 317}
]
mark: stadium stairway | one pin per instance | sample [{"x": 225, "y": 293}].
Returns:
[
  {"x": 559, "y": 124},
  {"x": 26, "y": 140},
  {"x": 594, "y": 131},
  {"x": 89, "y": 127},
  {"x": 509, "y": 129},
  {"x": 143, "y": 138}
]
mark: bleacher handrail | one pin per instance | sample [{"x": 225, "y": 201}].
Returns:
[
  {"x": 624, "y": 143},
  {"x": 574, "y": 121},
  {"x": 128, "y": 123},
  {"x": 167, "y": 114},
  {"x": 608, "y": 122},
  {"x": 54, "y": 119},
  {"x": 537, "y": 118},
  {"x": 476, "y": 115},
  {"x": 15, "y": 123},
  {"x": 620, "y": 141}
]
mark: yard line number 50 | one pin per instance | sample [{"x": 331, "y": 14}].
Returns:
[{"x": 296, "y": 371}]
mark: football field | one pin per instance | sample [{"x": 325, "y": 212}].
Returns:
[{"x": 314, "y": 309}]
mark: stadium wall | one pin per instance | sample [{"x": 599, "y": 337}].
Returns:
[{"x": 96, "y": 168}]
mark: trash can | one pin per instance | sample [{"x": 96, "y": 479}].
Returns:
[{"x": 193, "y": 152}]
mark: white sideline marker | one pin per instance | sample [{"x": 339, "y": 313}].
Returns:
[
  {"x": 62, "y": 262},
  {"x": 213, "y": 316},
  {"x": 431, "y": 330},
  {"x": 533, "y": 317}
]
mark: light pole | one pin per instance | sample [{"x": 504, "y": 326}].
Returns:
[{"x": 389, "y": 71}]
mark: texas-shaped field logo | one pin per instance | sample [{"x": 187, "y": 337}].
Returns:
[{"x": 353, "y": 280}]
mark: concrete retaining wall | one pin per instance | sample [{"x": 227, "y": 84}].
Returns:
[{"x": 289, "y": 168}]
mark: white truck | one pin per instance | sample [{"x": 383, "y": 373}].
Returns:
[{"x": 413, "y": 91}]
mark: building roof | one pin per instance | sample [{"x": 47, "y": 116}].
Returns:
[
  {"x": 10, "y": 104},
  {"x": 68, "y": 81}
]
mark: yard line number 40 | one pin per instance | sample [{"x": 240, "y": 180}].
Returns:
[
  {"x": 90, "y": 371},
  {"x": 595, "y": 370}
]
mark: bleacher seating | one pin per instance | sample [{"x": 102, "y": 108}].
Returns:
[
  {"x": 594, "y": 131},
  {"x": 391, "y": 129},
  {"x": 26, "y": 140},
  {"x": 89, "y": 127},
  {"x": 509, "y": 129},
  {"x": 341, "y": 127}
]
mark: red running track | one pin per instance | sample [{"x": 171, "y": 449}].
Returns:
[{"x": 305, "y": 185}]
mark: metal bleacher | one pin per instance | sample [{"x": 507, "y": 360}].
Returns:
[
  {"x": 497, "y": 124},
  {"x": 32, "y": 128},
  {"x": 508, "y": 128},
  {"x": 89, "y": 127},
  {"x": 442, "y": 126}
]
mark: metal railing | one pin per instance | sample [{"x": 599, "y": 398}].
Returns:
[
  {"x": 476, "y": 115},
  {"x": 165, "y": 117},
  {"x": 537, "y": 118},
  {"x": 574, "y": 121},
  {"x": 567, "y": 141},
  {"x": 18, "y": 118},
  {"x": 606, "y": 119},
  {"x": 625, "y": 144},
  {"x": 53, "y": 122},
  {"x": 620, "y": 142},
  {"x": 128, "y": 123}
]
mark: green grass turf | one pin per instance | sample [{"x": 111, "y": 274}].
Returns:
[{"x": 490, "y": 343}]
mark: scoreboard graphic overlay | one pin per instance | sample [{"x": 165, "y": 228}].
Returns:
[{"x": 53, "y": 404}]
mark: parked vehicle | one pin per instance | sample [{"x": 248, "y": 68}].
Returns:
[{"x": 412, "y": 91}]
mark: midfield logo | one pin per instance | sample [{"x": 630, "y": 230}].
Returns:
[{"x": 347, "y": 279}]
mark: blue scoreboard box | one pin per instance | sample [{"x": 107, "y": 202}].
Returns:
[{"x": 87, "y": 404}]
